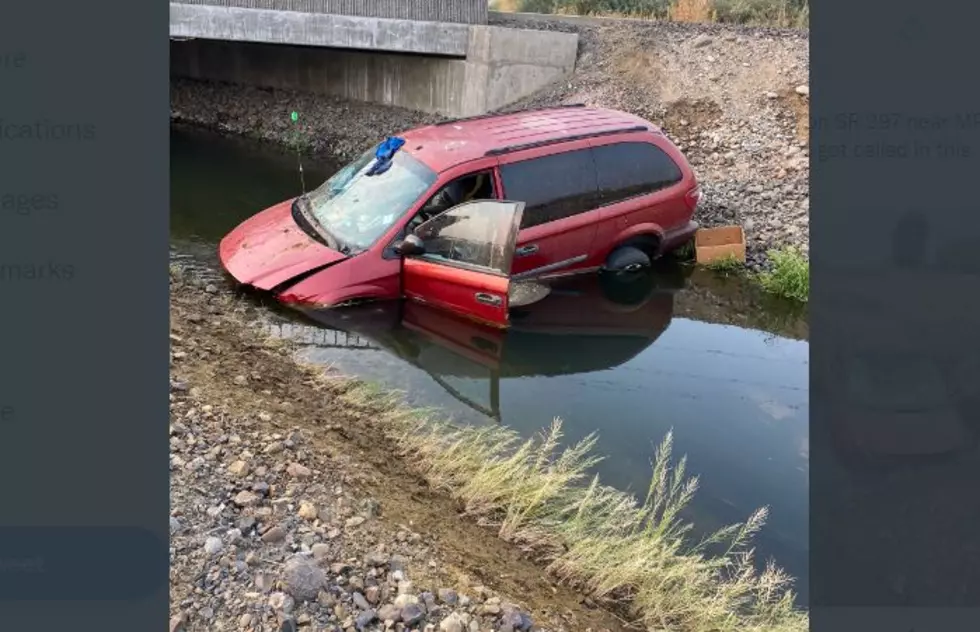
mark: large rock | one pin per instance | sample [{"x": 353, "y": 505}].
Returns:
[
  {"x": 389, "y": 612},
  {"x": 365, "y": 619},
  {"x": 303, "y": 578},
  {"x": 448, "y": 596},
  {"x": 213, "y": 546},
  {"x": 517, "y": 620},
  {"x": 412, "y": 614},
  {"x": 299, "y": 471},
  {"x": 246, "y": 499},
  {"x": 452, "y": 623}
]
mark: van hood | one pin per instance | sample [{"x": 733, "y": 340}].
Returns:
[{"x": 269, "y": 249}]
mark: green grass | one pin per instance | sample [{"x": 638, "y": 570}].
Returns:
[
  {"x": 685, "y": 252},
  {"x": 635, "y": 555},
  {"x": 789, "y": 275},
  {"x": 725, "y": 265}
]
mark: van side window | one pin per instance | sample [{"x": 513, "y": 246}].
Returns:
[
  {"x": 552, "y": 187},
  {"x": 473, "y": 186},
  {"x": 627, "y": 170}
]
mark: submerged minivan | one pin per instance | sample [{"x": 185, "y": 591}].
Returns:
[{"x": 479, "y": 203}]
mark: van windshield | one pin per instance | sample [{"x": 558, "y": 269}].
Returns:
[{"x": 357, "y": 209}]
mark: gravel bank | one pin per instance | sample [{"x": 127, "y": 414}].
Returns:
[
  {"x": 734, "y": 98},
  {"x": 289, "y": 512}
]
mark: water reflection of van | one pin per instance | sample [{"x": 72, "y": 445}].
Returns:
[{"x": 590, "y": 324}]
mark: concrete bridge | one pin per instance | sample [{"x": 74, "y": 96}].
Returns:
[{"x": 438, "y": 56}]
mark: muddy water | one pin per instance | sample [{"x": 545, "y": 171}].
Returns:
[{"x": 724, "y": 368}]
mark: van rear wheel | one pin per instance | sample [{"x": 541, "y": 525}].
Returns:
[{"x": 627, "y": 260}]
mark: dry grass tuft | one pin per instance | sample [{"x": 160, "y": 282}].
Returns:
[
  {"x": 692, "y": 11},
  {"x": 505, "y": 6},
  {"x": 619, "y": 550}
]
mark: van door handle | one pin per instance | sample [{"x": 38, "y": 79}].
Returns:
[
  {"x": 488, "y": 299},
  {"x": 524, "y": 251}
]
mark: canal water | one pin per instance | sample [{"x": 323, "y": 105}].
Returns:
[{"x": 707, "y": 357}]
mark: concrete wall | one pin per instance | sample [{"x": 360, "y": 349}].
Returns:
[
  {"x": 308, "y": 29},
  {"x": 427, "y": 84},
  {"x": 506, "y": 65},
  {"x": 502, "y": 66},
  {"x": 460, "y": 11}
]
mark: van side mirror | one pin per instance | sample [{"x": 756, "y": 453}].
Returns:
[{"x": 410, "y": 246}]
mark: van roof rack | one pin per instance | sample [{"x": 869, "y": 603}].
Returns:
[
  {"x": 494, "y": 114},
  {"x": 564, "y": 139}
]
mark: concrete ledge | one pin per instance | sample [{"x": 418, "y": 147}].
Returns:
[
  {"x": 308, "y": 29},
  {"x": 461, "y": 11}
]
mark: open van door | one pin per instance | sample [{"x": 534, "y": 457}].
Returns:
[{"x": 460, "y": 260}]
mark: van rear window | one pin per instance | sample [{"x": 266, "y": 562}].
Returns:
[{"x": 626, "y": 170}]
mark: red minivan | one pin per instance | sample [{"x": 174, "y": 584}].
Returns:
[{"x": 450, "y": 214}]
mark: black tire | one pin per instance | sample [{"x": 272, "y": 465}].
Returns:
[
  {"x": 627, "y": 260},
  {"x": 627, "y": 290}
]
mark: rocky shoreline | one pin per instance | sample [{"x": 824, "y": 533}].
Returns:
[
  {"x": 735, "y": 100},
  {"x": 289, "y": 512}
]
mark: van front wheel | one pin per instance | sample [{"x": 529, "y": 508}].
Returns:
[{"x": 627, "y": 259}]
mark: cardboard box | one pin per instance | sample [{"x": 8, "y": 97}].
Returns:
[{"x": 712, "y": 244}]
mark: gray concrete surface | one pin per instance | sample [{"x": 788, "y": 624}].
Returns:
[
  {"x": 505, "y": 65},
  {"x": 454, "y": 69},
  {"x": 426, "y": 84},
  {"x": 308, "y": 29},
  {"x": 505, "y": 17},
  {"x": 459, "y": 11}
]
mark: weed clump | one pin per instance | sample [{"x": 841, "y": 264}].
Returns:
[
  {"x": 725, "y": 265},
  {"x": 789, "y": 275}
]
